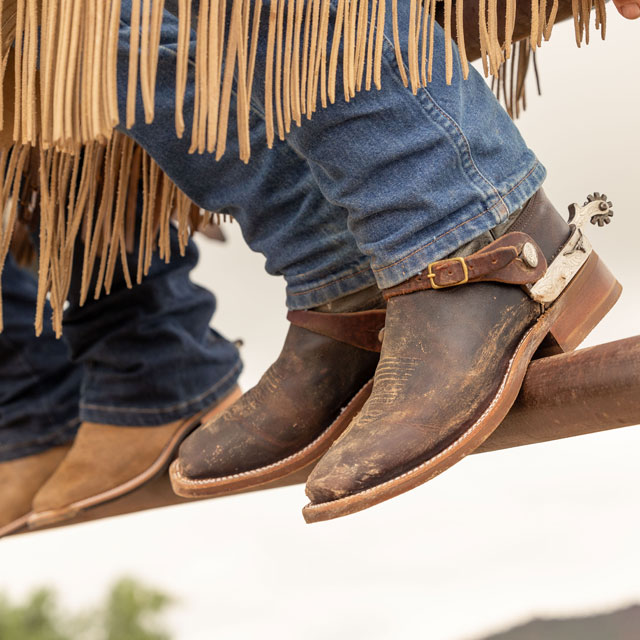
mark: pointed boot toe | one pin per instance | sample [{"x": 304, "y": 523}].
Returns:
[
  {"x": 330, "y": 481},
  {"x": 292, "y": 416},
  {"x": 107, "y": 462},
  {"x": 104, "y": 463},
  {"x": 218, "y": 448}
]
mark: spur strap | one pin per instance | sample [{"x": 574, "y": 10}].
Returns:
[
  {"x": 359, "y": 329},
  {"x": 515, "y": 258}
]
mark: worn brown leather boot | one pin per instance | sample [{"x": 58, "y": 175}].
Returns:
[
  {"x": 107, "y": 462},
  {"x": 457, "y": 344},
  {"x": 20, "y": 480},
  {"x": 304, "y": 401}
]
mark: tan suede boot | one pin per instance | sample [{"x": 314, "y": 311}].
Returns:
[
  {"x": 109, "y": 461},
  {"x": 20, "y": 481}
]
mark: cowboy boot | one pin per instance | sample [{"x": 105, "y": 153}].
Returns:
[
  {"x": 304, "y": 401},
  {"x": 458, "y": 340},
  {"x": 106, "y": 462},
  {"x": 20, "y": 480}
]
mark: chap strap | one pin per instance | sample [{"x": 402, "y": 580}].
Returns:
[
  {"x": 359, "y": 329},
  {"x": 515, "y": 258}
]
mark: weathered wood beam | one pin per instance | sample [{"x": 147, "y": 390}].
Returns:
[{"x": 591, "y": 390}]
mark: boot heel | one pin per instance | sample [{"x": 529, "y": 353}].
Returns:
[{"x": 585, "y": 302}]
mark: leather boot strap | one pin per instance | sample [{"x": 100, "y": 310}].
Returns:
[
  {"x": 515, "y": 258},
  {"x": 359, "y": 329}
]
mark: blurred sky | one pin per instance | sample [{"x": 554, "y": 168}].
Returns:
[{"x": 547, "y": 530}]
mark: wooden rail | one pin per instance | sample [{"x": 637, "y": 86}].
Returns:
[
  {"x": 587, "y": 391},
  {"x": 591, "y": 390}
]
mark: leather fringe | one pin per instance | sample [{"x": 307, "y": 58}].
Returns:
[
  {"x": 64, "y": 162},
  {"x": 85, "y": 207},
  {"x": 73, "y": 100},
  {"x": 509, "y": 85}
]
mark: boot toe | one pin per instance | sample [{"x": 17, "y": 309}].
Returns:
[
  {"x": 50, "y": 497},
  {"x": 197, "y": 458},
  {"x": 220, "y": 449},
  {"x": 66, "y": 486},
  {"x": 104, "y": 461},
  {"x": 326, "y": 489},
  {"x": 333, "y": 479}
]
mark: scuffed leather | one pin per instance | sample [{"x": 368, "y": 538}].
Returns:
[
  {"x": 444, "y": 356},
  {"x": 298, "y": 398}
]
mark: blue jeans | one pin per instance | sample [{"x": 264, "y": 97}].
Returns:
[
  {"x": 139, "y": 357},
  {"x": 369, "y": 191},
  {"x": 39, "y": 386}
]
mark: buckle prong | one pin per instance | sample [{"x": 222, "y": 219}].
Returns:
[{"x": 432, "y": 276}]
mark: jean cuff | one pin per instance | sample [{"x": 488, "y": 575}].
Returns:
[
  {"x": 157, "y": 416},
  {"x": 465, "y": 227},
  {"x": 308, "y": 295}
]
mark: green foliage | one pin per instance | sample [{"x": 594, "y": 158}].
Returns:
[
  {"x": 37, "y": 619},
  {"x": 131, "y": 611}
]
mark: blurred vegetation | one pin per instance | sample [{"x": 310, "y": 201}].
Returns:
[{"x": 131, "y": 611}]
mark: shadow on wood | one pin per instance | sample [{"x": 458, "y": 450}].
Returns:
[{"x": 590, "y": 390}]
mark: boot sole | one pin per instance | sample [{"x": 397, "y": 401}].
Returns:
[
  {"x": 584, "y": 303},
  {"x": 212, "y": 487},
  {"x": 57, "y": 516},
  {"x": 15, "y": 526}
]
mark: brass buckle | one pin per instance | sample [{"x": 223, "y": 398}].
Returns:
[{"x": 432, "y": 276}]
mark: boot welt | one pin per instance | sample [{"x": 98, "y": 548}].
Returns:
[
  {"x": 212, "y": 487},
  {"x": 15, "y": 526},
  {"x": 586, "y": 300},
  {"x": 160, "y": 465}
]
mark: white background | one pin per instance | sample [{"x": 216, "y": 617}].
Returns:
[{"x": 548, "y": 530}]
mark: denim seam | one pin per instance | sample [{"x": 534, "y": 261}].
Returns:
[
  {"x": 169, "y": 409},
  {"x": 460, "y": 225},
  {"x": 329, "y": 284},
  {"x": 450, "y": 126},
  {"x": 43, "y": 440},
  {"x": 311, "y": 272},
  {"x": 467, "y": 158}
]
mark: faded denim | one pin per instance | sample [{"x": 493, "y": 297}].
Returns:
[{"x": 372, "y": 190}]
